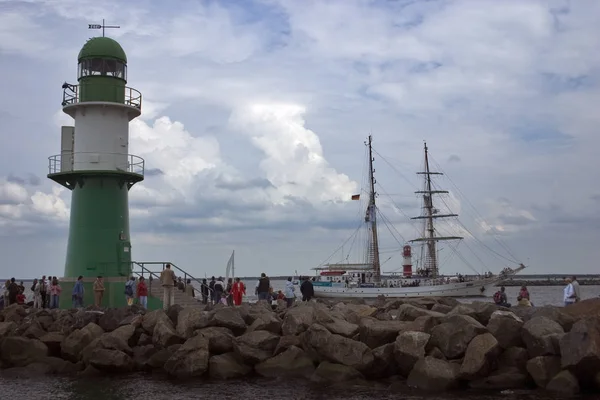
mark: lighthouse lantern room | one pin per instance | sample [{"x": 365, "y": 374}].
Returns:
[{"x": 96, "y": 166}]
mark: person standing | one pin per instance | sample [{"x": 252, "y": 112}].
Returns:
[
  {"x": 98, "y": 291},
  {"x": 37, "y": 298},
  {"x": 262, "y": 287},
  {"x": 211, "y": 286},
  {"x": 238, "y": 291},
  {"x": 78, "y": 292},
  {"x": 204, "y": 290},
  {"x": 55, "y": 291},
  {"x": 189, "y": 289},
  {"x": 43, "y": 292},
  {"x": 229, "y": 291},
  {"x": 130, "y": 291},
  {"x": 13, "y": 291},
  {"x": 142, "y": 292},
  {"x": 290, "y": 297},
  {"x": 167, "y": 279},
  {"x": 569, "y": 295},
  {"x": 307, "y": 289},
  {"x": 219, "y": 290},
  {"x": 576, "y": 289}
]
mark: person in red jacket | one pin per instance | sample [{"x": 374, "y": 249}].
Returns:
[
  {"x": 238, "y": 290},
  {"x": 142, "y": 292}
]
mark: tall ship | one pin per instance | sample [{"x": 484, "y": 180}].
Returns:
[{"x": 365, "y": 279}]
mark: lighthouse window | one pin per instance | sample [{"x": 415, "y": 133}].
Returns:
[{"x": 101, "y": 66}]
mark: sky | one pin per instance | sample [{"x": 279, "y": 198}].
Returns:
[{"x": 254, "y": 119}]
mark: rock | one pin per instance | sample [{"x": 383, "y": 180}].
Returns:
[
  {"x": 83, "y": 317},
  {"x": 34, "y": 330},
  {"x": 63, "y": 323},
  {"x": 589, "y": 308},
  {"x": 422, "y": 324},
  {"x": 353, "y": 313},
  {"x": 173, "y": 313},
  {"x": 7, "y": 329},
  {"x": 564, "y": 383},
  {"x": 408, "y": 349},
  {"x": 227, "y": 366},
  {"x": 543, "y": 368},
  {"x": 190, "y": 360},
  {"x": 164, "y": 335},
  {"x": 580, "y": 349},
  {"x": 441, "y": 308},
  {"x": 436, "y": 353},
  {"x": 330, "y": 372},
  {"x": 408, "y": 312},
  {"x": 107, "y": 342},
  {"x": 266, "y": 322},
  {"x": 126, "y": 334},
  {"x": 433, "y": 375},
  {"x": 44, "y": 318},
  {"x": 514, "y": 357},
  {"x": 285, "y": 342},
  {"x": 20, "y": 351},
  {"x": 112, "y": 317},
  {"x": 337, "y": 349},
  {"x": 191, "y": 319},
  {"x": 141, "y": 356},
  {"x": 150, "y": 319},
  {"x": 297, "y": 320},
  {"x": 111, "y": 361},
  {"x": 220, "y": 340},
  {"x": 485, "y": 310},
  {"x": 144, "y": 340},
  {"x": 462, "y": 309},
  {"x": 14, "y": 313},
  {"x": 385, "y": 364},
  {"x": 376, "y": 333},
  {"x": 255, "y": 347},
  {"x": 509, "y": 378},
  {"x": 506, "y": 328},
  {"x": 229, "y": 318},
  {"x": 454, "y": 335},
  {"x": 480, "y": 357},
  {"x": 335, "y": 325},
  {"x": 53, "y": 341},
  {"x": 542, "y": 336},
  {"x": 158, "y": 359},
  {"x": 73, "y": 344},
  {"x": 292, "y": 363}
]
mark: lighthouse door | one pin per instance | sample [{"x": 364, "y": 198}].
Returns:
[{"x": 124, "y": 257}]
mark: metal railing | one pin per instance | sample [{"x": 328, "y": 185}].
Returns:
[
  {"x": 133, "y": 164},
  {"x": 131, "y": 96},
  {"x": 156, "y": 274}
]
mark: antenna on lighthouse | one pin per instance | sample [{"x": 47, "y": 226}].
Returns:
[{"x": 103, "y": 26}]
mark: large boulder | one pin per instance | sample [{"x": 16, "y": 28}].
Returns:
[
  {"x": 220, "y": 340},
  {"x": 454, "y": 335},
  {"x": 385, "y": 364},
  {"x": 20, "y": 352},
  {"x": 433, "y": 374},
  {"x": 191, "y": 319},
  {"x": 564, "y": 383},
  {"x": 227, "y": 366},
  {"x": 514, "y": 357},
  {"x": 150, "y": 319},
  {"x": 580, "y": 349},
  {"x": 126, "y": 333},
  {"x": 480, "y": 357},
  {"x": 7, "y": 329},
  {"x": 229, "y": 318},
  {"x": 353, "y": 313},
  {"x": 255, "y": 347},
  {"x": 408, "y": 349},
  {"x": 330, "y": 372},
  {"x": 543, "y": 368},
  {"x": 375, "y": 333},
  {"x": 164, "y": 334},
  {"x": 111, "y": 361},
  {"x": 73, "y": 344},
  {"x": 542, "y": 336},
  {"x": 409, "y": 312},
  {"x": 13, "y": 313},
  {"x": 297, "y": 319},
  {"x": 266, "y": 322},
  {"x": 502, "y": 379},
  {"x": 285, "y": 342},
  {"x": 190, "y": 360},
  {"x": 335, "y": 325},
  {"x": 53, "y": 341},
  {"x": 292, "y": 363},
  {"x": 506, "y": 328}
]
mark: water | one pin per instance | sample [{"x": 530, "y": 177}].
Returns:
[{"x": 148, "y": 387}]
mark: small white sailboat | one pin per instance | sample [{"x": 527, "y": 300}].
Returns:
[{"x": 364, "y": 280}]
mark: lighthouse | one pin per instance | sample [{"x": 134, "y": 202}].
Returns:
[{"x": 95, "y": 165}]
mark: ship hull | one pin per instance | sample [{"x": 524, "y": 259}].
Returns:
[{"x": 479, "y": 288}]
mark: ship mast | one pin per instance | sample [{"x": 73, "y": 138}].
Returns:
[
  {"x": 372, "y": 216},
  {"x": 430, "y": 263}
]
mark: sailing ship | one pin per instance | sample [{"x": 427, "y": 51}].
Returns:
[{"x": 364, "y": 280}]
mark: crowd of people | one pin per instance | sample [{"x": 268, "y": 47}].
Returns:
[
  {"x": 46, "y": 292},
  {"x": 571, "y": 294}
]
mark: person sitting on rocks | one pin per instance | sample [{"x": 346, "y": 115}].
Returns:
[
  {"x": 524, "y": 293},
  {"x": 523, "y": 301},
  {"x": 500, "y": 298}
]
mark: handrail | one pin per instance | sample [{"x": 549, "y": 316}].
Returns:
[
  {"x": 135, "y": 164},
  {"x": 131, "y": 96},
  {"x": 186, "y": 276}
]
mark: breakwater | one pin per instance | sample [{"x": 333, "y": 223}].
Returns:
[
  {"x": 547, "y": 282},
  {"x": 433, "y": 344}
]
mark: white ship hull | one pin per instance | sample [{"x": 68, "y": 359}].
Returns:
[{"x": 478, "y": 288}]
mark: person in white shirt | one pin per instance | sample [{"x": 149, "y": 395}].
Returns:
[
  {"x": 576, "y": 289},
  {"x": 569, "y": 293}
]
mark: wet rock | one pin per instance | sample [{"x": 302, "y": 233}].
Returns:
[
  {"x": 220, "y": 340},
  {"x": 73, "y": 344},
  {"x": 111, "y": 361},
  {"x": 543, "y": 368},
  {"x": 454, "y": 334},
  {"x": 20, "y": 351},
  {"x": 227, "y": 366},
  {"x": 564, "y": 383},
  {"x": 480, "y": 357},
  {"x": 292, "y": 363},
  {"x": 432, "y": 374},
  {"x": 190, "y": 360},
  {"x": 229, "y": 318},
  {"x": 255, "y": 347},
  {"x": 503, "y": 379},
  {"x": 542, "y": 336},
  {"x": 506, "y": 328},
  {"x": 330, "y": 372},
  {"x": 408, "y": 349}
]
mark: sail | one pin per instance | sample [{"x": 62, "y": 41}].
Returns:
[{"x": 230, "y": 270}]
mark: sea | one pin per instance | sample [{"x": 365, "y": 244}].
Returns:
[{"x": 142, "y": 386}]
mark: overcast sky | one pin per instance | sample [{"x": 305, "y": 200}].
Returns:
[{"x": 255, "y": 114}]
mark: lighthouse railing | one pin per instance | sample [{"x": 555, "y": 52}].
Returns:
[
  {"x": 85, "y": 161},
  {"x": 130, "y": 96},
  {"x": 144, "y": 266}
]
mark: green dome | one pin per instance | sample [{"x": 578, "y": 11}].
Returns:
[{"x": 102, "y": 47}]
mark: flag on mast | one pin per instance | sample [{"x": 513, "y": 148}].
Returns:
[
  {"x": 356, "y": 197},
  {"x": 230, "y": 270}
]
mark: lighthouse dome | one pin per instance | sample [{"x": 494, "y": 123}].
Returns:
[{"x": 102, "y": 47}]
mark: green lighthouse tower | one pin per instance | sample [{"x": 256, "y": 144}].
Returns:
[{"x": 96, "y": 167}]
